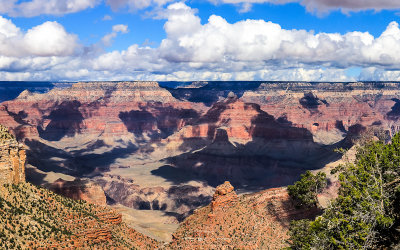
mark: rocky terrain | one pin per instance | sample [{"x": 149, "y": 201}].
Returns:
[
  {"x": 79, "y": 190},
  {"x": 255, "y": 221},
  {"x": 36, "y": 218},
  {"x": 164, "y": 148}
]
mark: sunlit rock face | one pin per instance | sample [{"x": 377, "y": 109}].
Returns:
[
  {"x": 97, "y": 108},
  {"x": 330, "y": 110},
  {"x": 12, "y": 159},
  {"x": 153, "y": 147},
  {"x": 252, "y": 221},
  {"x": 247, "y": 146}
]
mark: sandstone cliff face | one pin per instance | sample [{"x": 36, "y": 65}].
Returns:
[
  {"x": 97, "y": 108},
  {"x": 329, "y": 110},
  {"x": 245, "y": 145},
  {"x": 12, "y": 160},
  {"x": 242, "y": 121}
]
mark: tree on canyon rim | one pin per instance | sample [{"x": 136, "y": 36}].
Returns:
[
  {"x": 366, "y": 213},
  {"x": 305, "y": 190}
]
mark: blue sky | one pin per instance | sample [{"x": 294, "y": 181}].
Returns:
[{"x": 310, "y": 40}]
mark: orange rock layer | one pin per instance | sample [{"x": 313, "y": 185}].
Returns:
[
  {"x": 255, "y": 221},
  {"x": 12, "y": 162}
]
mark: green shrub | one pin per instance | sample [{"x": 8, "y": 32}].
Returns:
[
  {"x": 366, "y": 213},
  {"x": 306, "y": 189}
]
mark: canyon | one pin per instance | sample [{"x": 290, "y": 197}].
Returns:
[{"x": 164, "y": 148}]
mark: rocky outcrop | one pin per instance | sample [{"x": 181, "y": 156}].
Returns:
[
  {"x": 12, "y": 159},
  {"x": 254, "y": 221},
  {"x": 80, "y": 190},
  {"x": 224, "y": 197}
]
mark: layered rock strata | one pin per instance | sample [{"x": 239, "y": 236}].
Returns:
[
  {"x": 330, "y": 110},
  {"x": 108, "y": 109},
  {"x": 12, "y": 159},
  {"x": 80, "y": 190},
  {"x": 162, "y": 144}
]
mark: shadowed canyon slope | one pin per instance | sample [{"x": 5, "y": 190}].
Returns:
[{"x": 153, "y": 147}]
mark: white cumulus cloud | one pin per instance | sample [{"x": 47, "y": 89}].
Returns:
[
  {"x": 47, "y": 39},
  {"x": 119, "y": 28},
  {"x": 255, "y": 46},
  {"x": 192, "y": 50},
  {"x": 257, "y": 43}
]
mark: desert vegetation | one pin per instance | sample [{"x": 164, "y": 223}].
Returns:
[
  {"x": 366, "y": 214},
  {"x": 36, "y": 218},
  {"x": 5, "y": 134}
]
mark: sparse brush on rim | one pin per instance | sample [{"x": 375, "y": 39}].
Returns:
[{"x": 5, "y": 134}]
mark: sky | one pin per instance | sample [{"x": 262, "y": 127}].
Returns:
[{"x": 168, "y": 40}]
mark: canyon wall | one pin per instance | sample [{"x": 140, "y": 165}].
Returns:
[
  {"x": 12, "y": 159},
  {"x": 159, "y": 148},
  {"x": 106, "y": 109}
]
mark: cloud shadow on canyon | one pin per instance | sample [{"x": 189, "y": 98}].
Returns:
[
  {"x": 65, "y": 120},
  {"x": 156, "y": 121},
  {"x": 275, "y": 156},
  {"x": 213, "y": 91},
  {"x": 394, "y": 113},
  {"x": 76, "y": 163}
]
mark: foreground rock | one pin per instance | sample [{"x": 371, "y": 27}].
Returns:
[
  {"x": 255, "y": 221},
  {"x": 36, "y": 218},
  {"x": 224, "y": 198}
]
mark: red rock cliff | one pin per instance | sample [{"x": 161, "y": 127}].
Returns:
[{"x": 12, "y": 159}]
